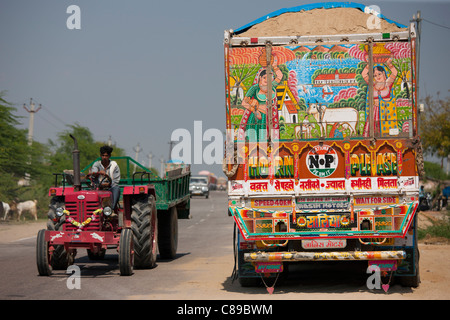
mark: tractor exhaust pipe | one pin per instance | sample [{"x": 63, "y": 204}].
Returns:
[{"x": 76, "y": 165}]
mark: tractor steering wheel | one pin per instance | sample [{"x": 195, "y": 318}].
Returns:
[{"x": 99, "y": 181}]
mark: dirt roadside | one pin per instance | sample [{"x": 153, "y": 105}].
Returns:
[{"x": 15, "y": 231}]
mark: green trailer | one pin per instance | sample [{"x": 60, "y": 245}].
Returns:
[
  {"x": 171, "y": 191},
  {"x": 171, "y": 196},
  {"x": 83, "y": 214}
]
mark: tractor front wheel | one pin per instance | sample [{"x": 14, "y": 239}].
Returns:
[
  {"x": 43, "y": 255},
  {"x": 126, "y": 253}
]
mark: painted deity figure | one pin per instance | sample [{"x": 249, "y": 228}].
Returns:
[{"x": 384, "y": 106}]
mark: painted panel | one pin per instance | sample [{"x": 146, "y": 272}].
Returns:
[{"x": 320, "y": 91}]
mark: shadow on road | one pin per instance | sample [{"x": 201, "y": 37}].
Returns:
[{"x": 312, "y": 277}]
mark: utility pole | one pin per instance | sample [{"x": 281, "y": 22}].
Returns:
[
  {"x": 163, "y": 173},
  {"x": 137, "y": 149},
  {"x": 150, "y": 157},
  {"x": 171, "y": 143},
  {"x": 31, "y": 111}
]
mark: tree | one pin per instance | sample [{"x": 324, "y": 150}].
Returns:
[
  {"x": 89, "y": 148},
  {"x": 435, "y": 126},
  {"x": 14, "y": 150}
]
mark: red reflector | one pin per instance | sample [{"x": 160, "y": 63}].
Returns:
[{"x": 254, "y": 40}]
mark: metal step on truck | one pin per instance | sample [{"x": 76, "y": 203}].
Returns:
[
  {"x": 145, "y": 220},
  {"x": 323, "y": 155}
]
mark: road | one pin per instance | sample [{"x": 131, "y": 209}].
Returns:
[{"x": 201, "y": 271}]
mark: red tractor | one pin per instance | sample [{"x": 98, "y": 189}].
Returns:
[{"x": 83, "y": 218}]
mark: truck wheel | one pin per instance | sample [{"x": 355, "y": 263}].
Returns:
[
  {"x": 168, "y": 233},
  {"x": 145, "y": 229},
  {"x": 42, "y": 255},
  {"x": 126, "y": 253},
  {"x": 414, "y": 280}
]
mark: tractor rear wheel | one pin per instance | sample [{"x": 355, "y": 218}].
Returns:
[
  {"x": 42, "y": 255},
  {"x": 168, "y": 233},
  {"x": 126, "y": 253},
  {"x": 144, "y": 224}
]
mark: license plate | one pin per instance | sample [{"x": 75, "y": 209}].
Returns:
[
  {"x": 324, "y": 244},
  {"x": 385, "y": 265},
  {"x": 269, "y": 267}
]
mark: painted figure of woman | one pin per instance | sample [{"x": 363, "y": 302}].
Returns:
[
  {"x": 384, "y": 107},
  {"x": 254, "y": 120}
]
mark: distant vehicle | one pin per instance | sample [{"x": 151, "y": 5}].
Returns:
[
  {"x": 212, "y": 179},
  {"x": 199, "y": 186}
]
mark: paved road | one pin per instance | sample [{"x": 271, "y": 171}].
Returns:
[
  {"x": 205, "y": 242},
  {"x": 202, "y": 270}
]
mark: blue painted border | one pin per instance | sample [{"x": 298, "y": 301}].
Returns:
[{"x": 308, "y": 7}]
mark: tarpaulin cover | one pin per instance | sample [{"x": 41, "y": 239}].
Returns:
[{"x": 308, "y": 7}]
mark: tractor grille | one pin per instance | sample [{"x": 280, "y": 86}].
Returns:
[{"x": 80, "y": 211}]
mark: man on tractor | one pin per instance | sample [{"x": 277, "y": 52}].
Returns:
[{"x": 108, "y": 173}]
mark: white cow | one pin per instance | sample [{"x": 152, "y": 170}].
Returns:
[
  {"x": 6, "y": 209},
  {"x": 324, "y": 116},
  {"x": 30, "y": 205}
]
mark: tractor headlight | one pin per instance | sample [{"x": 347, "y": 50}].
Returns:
[
  {"x": 60, "y": 212},
  {"x": 107, "y": 211}
]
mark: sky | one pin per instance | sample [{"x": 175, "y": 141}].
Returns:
[{"x": 139, "y": 69}]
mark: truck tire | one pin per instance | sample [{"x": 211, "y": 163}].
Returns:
[
  {"x": 42, "y": 255},
  {"x": 145, "y": 229},
  {"x": 168, "y": 233},
  {"x": 126, "y": 253},
  {"x": 414, "y": 280}
]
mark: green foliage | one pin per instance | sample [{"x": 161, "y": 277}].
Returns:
[
  {"x": 440, "y": 229},
  {"x": 435, "y": 126},
  {"x": 39, "y": 161},
  {"x": 14, "y": 151},
  {"x": 434, "y": 170}
]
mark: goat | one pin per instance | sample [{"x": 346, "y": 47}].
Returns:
[
  {"x": 30, "y": 205},
  {"x": 6, "y": 208}
]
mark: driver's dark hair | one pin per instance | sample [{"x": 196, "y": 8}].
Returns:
[{"x": 106, "y": 149}]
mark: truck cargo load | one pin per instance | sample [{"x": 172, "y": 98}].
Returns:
[{"x": 326, "y": 164}]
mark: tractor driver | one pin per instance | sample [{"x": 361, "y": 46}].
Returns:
[{"x": 111, "y": 168}]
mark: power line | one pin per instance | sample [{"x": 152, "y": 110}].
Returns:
[
  {"x": 53, "y": 114},
  {"x": 49, "y": 122},
  {"x": 436, "y": 24}
]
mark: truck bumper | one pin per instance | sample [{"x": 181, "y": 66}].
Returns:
[{"x": 323, "y": 256}]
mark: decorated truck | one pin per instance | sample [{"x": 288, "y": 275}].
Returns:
[{"x": 325, "y": 165}]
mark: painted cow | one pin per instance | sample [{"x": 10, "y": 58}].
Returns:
[{"x": 324, "y": 116}]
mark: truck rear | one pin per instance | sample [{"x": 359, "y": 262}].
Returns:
[{"x": 323, "y": 155}]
